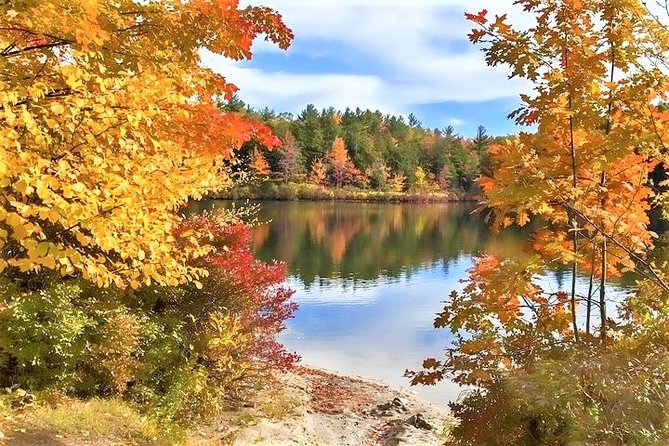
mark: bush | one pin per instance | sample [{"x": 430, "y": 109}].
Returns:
[
  {"x": 176, "y": 351},
  {"x": 617, "y": 398},
  {"x": 307, "y": 191},
  {"x": 42, "y": 334}
]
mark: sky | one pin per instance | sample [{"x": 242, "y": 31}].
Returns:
[{"x": 399, "y": 57}]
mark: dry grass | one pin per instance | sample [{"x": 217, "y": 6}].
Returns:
[
  {"x": 277, "y": 405},
  {"x": 92, "y": 422}
]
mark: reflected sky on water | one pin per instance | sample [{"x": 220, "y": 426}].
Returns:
[{"x": 369, "y": 279}]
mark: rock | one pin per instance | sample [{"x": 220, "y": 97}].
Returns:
[
  {"x": 21, "y": 399},
  {"x": 400, "y": 404},
  {"x": 397, "y": 405},
  {"x": 419, "y": 422}
]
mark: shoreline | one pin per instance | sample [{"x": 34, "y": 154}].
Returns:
[
  {"x": 279, "y": 191},
  {"x": 329, "y": 408},
  {"x": 306, "y": 406}
]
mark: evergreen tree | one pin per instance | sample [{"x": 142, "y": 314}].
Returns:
[
  {"x": 310, "y": 134},
  {"x": 481, "y": 142}
]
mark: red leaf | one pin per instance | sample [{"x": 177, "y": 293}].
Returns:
[{"x": 479, "y": 18}]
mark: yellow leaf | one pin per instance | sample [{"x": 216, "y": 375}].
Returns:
[
  {"x": 49, "y": 262},
  {"x": 522, "y": 219},
  {"x": 42, "y": 249},
  {"x": 57, "y": 108}
]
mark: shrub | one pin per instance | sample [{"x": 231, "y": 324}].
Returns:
[
  {"x": 42, "y": 334},
  {"x": 619, "y": 398},
  {"x": 176, "y": 351}
]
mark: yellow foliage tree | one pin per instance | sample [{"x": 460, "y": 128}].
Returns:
[
  {"x": 421, "y": 182},
  {"x": 397, "y": 182},
  {"x": 339, "y": 160},
  {"x": 109, "y": 125},
  {"x": 319, "y": 171},
  {"x": 259, "y": 164}
]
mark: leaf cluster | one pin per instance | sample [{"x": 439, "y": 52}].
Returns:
[{"x": 109, "y": 124}]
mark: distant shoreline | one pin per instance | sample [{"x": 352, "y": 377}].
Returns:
[{"x": 275, "y": 191}]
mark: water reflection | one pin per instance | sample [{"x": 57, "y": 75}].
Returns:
[
  {"x": 363, "y": 242},
  {"x": 370, "y": 277}
]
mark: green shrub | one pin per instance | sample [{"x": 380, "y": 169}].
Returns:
[
  {"x": 43, "y": 334},
  {"x": 177, "y": 352}
]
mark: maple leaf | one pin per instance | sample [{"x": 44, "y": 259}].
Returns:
[
  {"x": 431, "y": 363},
  {"x": 479, "y": 18},
  {"x": 476, "y": 35}
]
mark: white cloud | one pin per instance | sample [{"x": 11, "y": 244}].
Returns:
[
  {"x": 291, "y": 91},
  {"x": 455, "y": 122},
  {"x": 412, "y": 53}
]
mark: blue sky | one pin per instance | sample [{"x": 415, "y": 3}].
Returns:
[{"x": 399, "y": 57}]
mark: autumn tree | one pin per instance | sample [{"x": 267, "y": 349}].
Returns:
[
  {"x": 591, "y": 178},
  {"x": 290, "y": 162},
  {"x": 583, "y": 179},
  {"x": 397, "y": 182},
  {"x": 319, "y": 172},
  {"x": 259, "y": 164},
  {"x": 421, "y": 181},
  {"x": 343, "y": 170},
  {"x": 110, "y": 124},
  {"x": 444, "y": 177}
]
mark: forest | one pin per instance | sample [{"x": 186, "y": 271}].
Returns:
[{"x": 364, "y": 150}]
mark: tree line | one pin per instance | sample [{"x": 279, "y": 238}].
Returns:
[{"x": 366, "y": 149}]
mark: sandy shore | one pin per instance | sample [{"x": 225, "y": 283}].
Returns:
[{"x": 324, "y": 408}]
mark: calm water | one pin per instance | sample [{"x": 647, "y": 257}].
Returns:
[{"x": 369, "y": 279}]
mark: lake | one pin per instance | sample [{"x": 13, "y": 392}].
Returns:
[{"x": 369, "y": 279}]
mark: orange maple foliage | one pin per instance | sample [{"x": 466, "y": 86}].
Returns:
[
  {"x": 582, "y": 179},
  {"x": 586, "y": 169},
  {"x": 259, "y": 164},
  {"x": 110, "y": 125}
]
